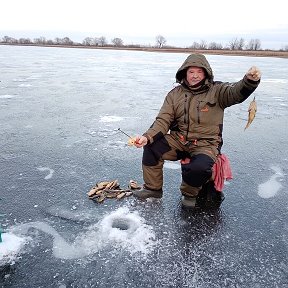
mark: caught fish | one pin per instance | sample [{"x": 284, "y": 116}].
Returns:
[{"x": 252, "y": 112}]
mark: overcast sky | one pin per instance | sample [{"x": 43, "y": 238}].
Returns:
[{"x": 140, "y": 21}]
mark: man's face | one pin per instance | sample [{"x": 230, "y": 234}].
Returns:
[{"x": 195, "y": 75}]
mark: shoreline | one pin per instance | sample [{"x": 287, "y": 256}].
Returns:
[{"x": 247, "y": 53}]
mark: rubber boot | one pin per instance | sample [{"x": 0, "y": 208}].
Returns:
[{"x": 145, "y": 193}]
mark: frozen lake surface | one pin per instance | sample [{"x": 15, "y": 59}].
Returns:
[{"x": 59, "y": 114}]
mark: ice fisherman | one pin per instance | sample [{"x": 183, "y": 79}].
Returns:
[{"x": 189, "y": 127}]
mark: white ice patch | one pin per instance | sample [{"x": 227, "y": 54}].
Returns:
[
  {"x": 172, "y": 165},
  {"x": 270, "y": 188},
  {"x": 6, "y": 96},
  {"x": 109, "y": 119},
  {"x": 10, "y": 247},
  {"x": 24, "y": 85},
  {"x": 271, "y": 80},
  {"x": 120, "y": 229},
  {"x": 50, "y": 174}
]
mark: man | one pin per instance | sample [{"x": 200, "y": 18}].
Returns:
[{"x": 189, "y": 127}]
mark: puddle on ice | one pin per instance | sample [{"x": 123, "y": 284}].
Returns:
[
  {"x": 270, "y": 188},
  {"x": 120, "y": 229}
]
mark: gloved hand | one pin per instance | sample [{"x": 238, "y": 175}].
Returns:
[{"x": 254, "y": 73}]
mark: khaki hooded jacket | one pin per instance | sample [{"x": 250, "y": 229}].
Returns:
[{"x": 195, "y": 115}]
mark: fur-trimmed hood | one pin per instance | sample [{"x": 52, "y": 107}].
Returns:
[{"x": 197, "y": 60}]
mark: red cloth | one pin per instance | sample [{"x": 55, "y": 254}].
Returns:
[{"x": 221, "y": 171}]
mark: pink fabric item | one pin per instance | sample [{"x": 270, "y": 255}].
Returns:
[{"x": 221, "y": 171}]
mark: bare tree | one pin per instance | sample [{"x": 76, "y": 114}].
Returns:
[
  {"x": 257, "y": 44},
  {"x": 160, "y": 41},
  {"x": 24, "y": 41},
  {"x": 234, "y": 44},
  {"x": 203, "y": 45},
  {"x": 57, "y": 41},
  {"x": 117, "y": 42},
  {"x": 215, "y": 46},
  {"x": 10, "y": 40},
  {"x": 102, "y": 41},
  {"x": 67, "y": 41},
  {"x": 241, "y": 44},
  {"x": 88, "y": 41},
  {"x": 40, "y": 40},
  {"x": 254, "y": 44},
  {"x": 195, "y": 45}
]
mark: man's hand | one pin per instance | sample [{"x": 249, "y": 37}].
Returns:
[
  {"x": 140, "y": 141},
  {"x": 253, "y": 74}
]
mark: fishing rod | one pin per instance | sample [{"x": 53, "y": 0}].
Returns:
[
  {"x": 124, "y": 133},
  {"x": 133, "y": 139}
]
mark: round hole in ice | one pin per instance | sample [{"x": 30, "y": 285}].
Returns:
[
  {"x": 121, "y": 224},
  {"x": 124, "y": 223}
]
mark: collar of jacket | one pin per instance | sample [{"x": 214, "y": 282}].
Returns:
[{"x": 198, "y": 89}]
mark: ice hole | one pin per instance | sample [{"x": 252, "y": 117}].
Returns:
[{"x": 121, "y": 223}]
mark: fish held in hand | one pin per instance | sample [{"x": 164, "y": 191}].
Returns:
[{"x": 252, "y": 112}]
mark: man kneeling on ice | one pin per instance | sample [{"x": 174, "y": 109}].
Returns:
[{"x": 189, "y": 128}]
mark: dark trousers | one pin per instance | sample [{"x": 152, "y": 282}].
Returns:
[{"x": 194, "y": 174}]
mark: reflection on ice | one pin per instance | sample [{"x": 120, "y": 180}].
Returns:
[
  {"x": 272, "y": 186},
  {"x": 120, "y": 229}
]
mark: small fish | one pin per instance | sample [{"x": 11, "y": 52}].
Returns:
[
  {"x": 101, "y": 198},
  {"x": 121, "y": 195},
  {"x": 252, "y": 112}
]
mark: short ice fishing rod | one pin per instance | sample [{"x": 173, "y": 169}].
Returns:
[{"x": 132, "y": 140}]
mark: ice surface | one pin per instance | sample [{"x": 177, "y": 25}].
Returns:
[
  {"x": 271, "y": 187},
  {"x": 172, "y": 165},
  {"x": 58, "y": 137}
]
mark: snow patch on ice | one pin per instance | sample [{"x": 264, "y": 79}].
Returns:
[
  {"x": 6, "y": 96},
  {"x": 271, "y": 187},
  {"x": 10, "y": 247},
  {"x": 271, "y": 80},
  {"x": 120, "y": 229},
  {"x": 111, "y": 118},
  {"x": 51, "y": 171}
]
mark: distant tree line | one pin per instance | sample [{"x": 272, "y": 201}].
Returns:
[{"x": 160, "y": 42}]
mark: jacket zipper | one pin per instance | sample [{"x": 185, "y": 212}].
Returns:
[
  {"x": 198, "y": 112},
  {"x": 186, "y": 114},
  {"x": 185, "y": 109}
]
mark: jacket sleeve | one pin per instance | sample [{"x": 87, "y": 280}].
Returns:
[
  {"x": 234, "y": 93},
  {"x": 163, "y": 120}
]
